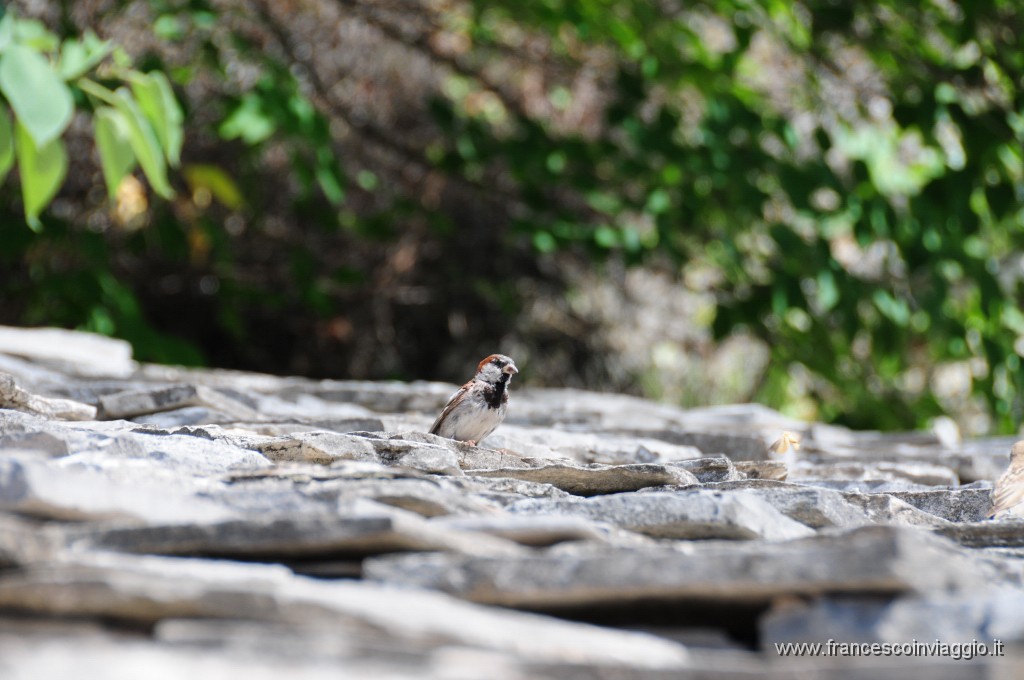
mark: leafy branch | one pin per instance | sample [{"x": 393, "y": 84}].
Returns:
[{"x": 137, "y": 120}]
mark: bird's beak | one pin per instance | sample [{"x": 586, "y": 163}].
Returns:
[{"x": 510, "y": 370}]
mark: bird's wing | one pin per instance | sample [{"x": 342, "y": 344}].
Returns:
[
  {"x": 452, "y": 402},
  {"x": 1009, "y": 492}
]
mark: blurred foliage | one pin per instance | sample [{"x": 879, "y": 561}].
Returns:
[
  {"x": 848, "y": 177},
  {"x": 845, "y": 177},
  {"x": 137, "y": 119}
]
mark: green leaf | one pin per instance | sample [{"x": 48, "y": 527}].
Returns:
[
  {"x": 893, "y": 308},
  {"x": 828, "y": 292},
  {"x": 606, "y": 237},
  {"x": 72, "y": 59},
  {"x": 78, "y": 57},
  {"x": 659, "y": 201},
  {"x": 113, "y": 139},
  {"x": 248, "y": 121},
  {"x": 33, "y": 34},
  {"x": 41, "y": 101},
  {"x": 168, "y": 27},
  {"x": 217, "y": 182},
  {"x": 6, "y": 32},
  {"x": 42, "y": 172},
  {"x": 157, "y": 102},
  {"x": 327, "y": 178},
  {"x": 144, "y": 142},
  {"x": 544, "y": 242},
  {"x": 6, "y": 145}
]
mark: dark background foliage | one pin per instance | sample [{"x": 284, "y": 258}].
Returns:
[{"x": 379, "y": 189}]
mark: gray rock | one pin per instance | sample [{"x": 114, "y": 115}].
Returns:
[
  {"x": 307, "y": 408},
  {"x": 582, "y": 410},
  {"x": 381, "y": 397},
  {"x": 273, "y": 498},
  {"x": 339, "y": 469},
  {"x": 39, "y": 442},
  {"x": 990, "y": 614},
  {"x": 481, "y": 458},
  {"x": 710, "y": 469},
  {"x": 333, "y": 478},
  {"x": 418, "y": 451},
  {"x": 48, "y": 491},
  {"x": 811, "y": 506},
  {"x": 102, "y": 654},
  {"x": 595, "y": 479},
  {"x": 763, "y": 469},
  {"x": 133, "y": 403},
  {"x": 1008, "y": 533},
  {"x": 919, "y": 472},
  {"x": 314, "y": 447},
  {"x": 336, "y": 424},
  {"x": 981, "y": 459},
  {"x": 533, "y": 530},
  {"x": 429, "y": 497},
  {"x": 886, "y": 509},
  {"x": 25, "y": 431},
  {"x": 752, "y": 484},
  {"x": 869, "y": 486},
  {"x": 822, "y": 437},
  {"x": 506, "y": 491},
  {"x": 32, "y": 376},
  {"x": 283, "y": 538},
  {"x": 593, "y": 411},
  {"x": 689, "y": 514},
  {"x": 875, "y": 559},
  {"x": 587, "y": 447},
  {"x": 154, "y": 451},
  {"x": 750, "y": 447},
  {"x": 14, "y": 397},
  {"x": 187, "y": 415},
  {"x": 222, "y": 378},
  {"x": 971, "y": 460},
  {"x": 74, "y": 352},
  {"x": 954, "y": 505},
  {"x": 245, "y": 433},
  {"x": 147, "y": 589},
  {"x": 26, "y": 541}
]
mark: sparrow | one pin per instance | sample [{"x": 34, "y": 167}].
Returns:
[
  {"x": 479, "y": 406},
  {"x": 1008, "y": 496}
]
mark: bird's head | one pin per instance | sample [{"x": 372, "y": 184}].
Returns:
[{"x": 496, "y": 368}]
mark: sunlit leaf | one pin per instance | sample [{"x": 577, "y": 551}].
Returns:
[
  {"x": 41, "y": 101},
  {"x": 144, "y": 143},
  {"x": 42, "y": 172},
  {"x": 248, "y": 122},
  {"x": 156, "y": 100},
  {"x": 113, "y": 140},
  {"x": 35, "y": 35},
  {"x": 828, "y": 293},
  {"x": 168, "y": 27},
  {"x": 77, "y": 57},
  {"x": 217, "y": 182},
  {"x": 6, "y": 31},
  {"x": 893, "y": 308}
]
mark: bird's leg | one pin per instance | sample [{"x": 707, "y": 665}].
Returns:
[{"x": 471, "y": 442}]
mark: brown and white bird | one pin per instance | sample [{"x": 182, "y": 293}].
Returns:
[
  {"x": 1008, "y": 496},
  {"x": 479, "y": 406}
]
